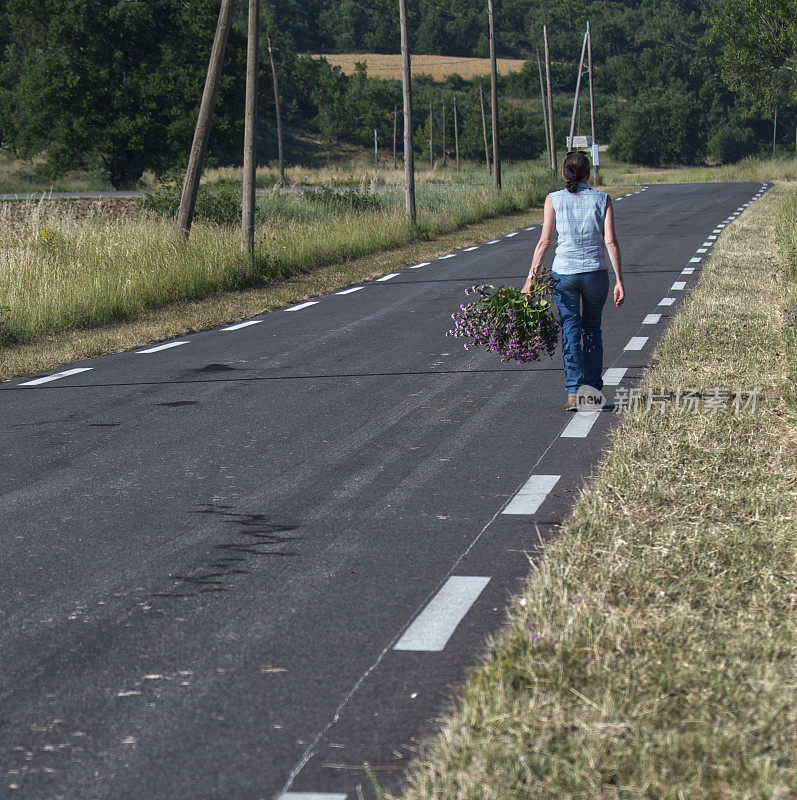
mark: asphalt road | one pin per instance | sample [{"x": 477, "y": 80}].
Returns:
[{"x": 245, "y": 565}]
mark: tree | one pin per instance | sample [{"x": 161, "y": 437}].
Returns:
[
  {"x": 758, "y": 56},
  {"x": 659, "y": 129},
  {"x": 112, "y": 85}
]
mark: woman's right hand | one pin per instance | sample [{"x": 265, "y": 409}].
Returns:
[{"x": 619, "y": 294}]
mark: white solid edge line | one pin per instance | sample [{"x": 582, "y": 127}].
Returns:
[
  {"x": 531, "y": 495},
  {"x": 388, "y": 277},
  {"x": 581, "y": 424},
  {"x": 302, "y": 305},
  {"x": 434, "y": 626},
  {"x": 468, "y": 249},
  {"x": 614, "y": 375},
  {"x": 636, "y": 343},
  {"x": 666, "y": 301},
  {"x": 311, "y": 796},
  {"x": 687, "y": 270},
  {"x": 349, "y": 291},
  {"x": 159, "y": 347},
  {"x": 651, "y": 319},
  {"x": 65, "y": 374},
  {"x": 678, "y": 286},
  {"x": 240, "y": 325},
  {"x": 422, "y": 264}
]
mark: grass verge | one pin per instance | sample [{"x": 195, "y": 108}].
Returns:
[{"x": 651, "y": 654}]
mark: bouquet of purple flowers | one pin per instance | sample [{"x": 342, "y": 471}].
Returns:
[{"x": 503, "y": 319}]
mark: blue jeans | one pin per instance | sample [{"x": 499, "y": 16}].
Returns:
[{"x": 580, "y": 299}]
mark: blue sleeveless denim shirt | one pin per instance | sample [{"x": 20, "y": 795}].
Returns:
[{"x": 579, "y": 227}]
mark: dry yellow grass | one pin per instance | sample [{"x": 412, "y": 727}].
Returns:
[{"x": 439, "y": 67}]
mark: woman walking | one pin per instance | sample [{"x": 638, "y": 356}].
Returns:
[{"x": 584, "y": 222}]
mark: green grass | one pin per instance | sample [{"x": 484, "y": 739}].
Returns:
[
  {"x": 58, "y": 273},
  {"x": 652, "y": 653}
]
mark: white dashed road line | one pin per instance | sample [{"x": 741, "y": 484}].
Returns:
[
  {"x": 695, "y": 260},
  {"x": 530, "y": 228},
  {"x": 434, "y": 626},
  {"x": 302, "y": 305},
  {"x": 531, "y": 495},
  {"x": 388, "y": 277},
  {"x": 240, "y": 325},
  {"x": 65, "y": 374},
  {"x": 651, "y": 319},
  {"x": 449, "y": 255},
  {"x": 580, "y": 425},
  {"x": 666, "y": 301},
  {"x": 159, "y": 347},
  {"x": 687, "y": 270},
  {"x": 422, "y": 264},
  {"x": 494, "y": 241},
  {"x": 509, "y": 235},
  {"x": 311, "y": 796},
  {"x": 702, "y": 250},
  {"x": 468, "y": 249},
  {"x": 614, "y": 375},
  {"x": 678, "y": 286},
  {"x": 349, "y": 291},
  {"x": 636, "y": 343}
]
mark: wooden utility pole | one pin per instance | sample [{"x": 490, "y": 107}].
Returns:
[
  {"x": 775, "y": 130},
  {"x": 444, "y": 132},
  {"x": 578, "y": 91},
  {"x": 544, "y": 110},
  {"x": 592, "y": 107},
  {"x": 185, "y": 213},
  {"x": 280, "y": 147},
  {"x": 484, "y": 131},
  {"x": 376, "y": 157},
  {"x": 395, "y": 127},
  {"x": 406, "y": 85},
  {"x": 456, "y": 132},
  {"x": 250, "y": 131},
  {"x": 494, "y": 97},
  {"x": 550, "y": 97},
  {"x": 431, "y": 138}
]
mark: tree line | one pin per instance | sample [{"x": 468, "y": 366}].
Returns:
[{"x": 113, "y": 85}]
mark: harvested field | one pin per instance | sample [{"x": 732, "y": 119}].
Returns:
[{"x": 439, "y": 67}]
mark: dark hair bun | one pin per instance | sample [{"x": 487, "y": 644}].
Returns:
[{"x": 575, "y": 169}]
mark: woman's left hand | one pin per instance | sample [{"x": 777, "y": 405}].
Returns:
[{"x": 527, "y": 285}]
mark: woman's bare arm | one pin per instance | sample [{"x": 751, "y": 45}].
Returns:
[
  {"x": 613, "y": 248},
  {"x": 548, "y": 225}
]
